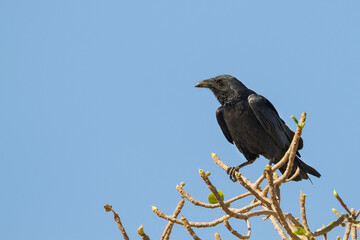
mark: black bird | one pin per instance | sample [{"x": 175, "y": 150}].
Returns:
[{"x": 252, "y": 123}]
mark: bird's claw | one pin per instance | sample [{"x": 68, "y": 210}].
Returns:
[{"x": 231, "y": 171}]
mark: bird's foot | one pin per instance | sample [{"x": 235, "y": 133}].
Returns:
[{"x": 231, "y": 171}]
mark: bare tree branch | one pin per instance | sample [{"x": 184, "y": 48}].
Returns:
[
  {"x": 303, "y": 213},
  {"x": 287, "y": 226},
  {"x": 353, "y": 232},
  {"x": 247, "y": 236},
  {"x": 142, "y": 234},
  {"x": 329, "y": 227},
  {"x": 347, "y": 231},
  {"x": 253, "y": 191},
  {"x": 341, "y": 202},
  {"x": 189, "y": 229},
  {"x": 168, "y": 228},
  {"x": 108, "y": 208},
  {"x": 208, "y": 205},
  {"x": 275, "y": 203},
  {"x": 217, "y": 236},
  {"x": 278, "y": 228}
]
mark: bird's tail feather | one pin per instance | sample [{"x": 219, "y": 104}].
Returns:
[{"x": 304, "y": 170}]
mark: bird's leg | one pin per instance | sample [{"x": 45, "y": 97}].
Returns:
[{"x": 231, "y": 170}]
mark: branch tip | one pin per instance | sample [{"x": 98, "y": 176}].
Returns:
[
  {"x": 108, "y": 207},
  {"x": 154, "y": 209},
  {"x": 267, "y": 167},
  {"x": 140, "y": 230}
]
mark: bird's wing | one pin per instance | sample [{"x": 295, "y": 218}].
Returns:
[
  {"x": 267, "y": 115},
  {"x": 222, "y": 123}
]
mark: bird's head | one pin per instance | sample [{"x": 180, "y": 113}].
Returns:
[{"x": 225, "y": 87}]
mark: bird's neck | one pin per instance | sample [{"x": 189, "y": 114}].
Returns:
[{"x": 232, "y": 97}]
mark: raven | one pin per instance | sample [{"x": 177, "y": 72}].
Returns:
[{"x": 252, "y": 123}]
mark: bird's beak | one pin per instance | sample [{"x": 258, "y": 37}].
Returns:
[{"x": 205, "y": 83}]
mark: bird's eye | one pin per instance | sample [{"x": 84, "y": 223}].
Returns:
[{"x": 219, "y": 82}]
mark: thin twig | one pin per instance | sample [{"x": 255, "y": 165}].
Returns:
[
  {"x": 342, "y": 202},
  {"x": 329, "y": 227},
  {"x": 357, "y": 214},
  {"x": 225, "y": 167},
  {"x": 292, "y": 150},
  {"x": 216, "y": 221},
  {"x": 353, "y": 232},
  {"x": 259, "y": 181},
  {"x": 275, "y": 203},
  {"x": 347, "y": 231},
  {"x": 294, "y": 175},
  {"x": 282, "y": 161},
  {"x": 108, "y": 208},
  {"x": 218, "y": 198},
  {"x": 168, "y": 228},
  {"x": 220, "y": 163},
  {"x": 225, "y": 208},
  {"x": 188, "y": 228},
  {"x": 217, "y": 236},
  {"x": 208, "y": 205},
  {"x": 303, "y": 212},
  {"x": 142, "y": 234},
  {"x": 336, "y": 212},
  {"x": 293, "y": 220},
  {"x": 253, "y": 191},
  {"x": 247, "y": 208},
  {"x": 247, "y": 236},
  {"x": 278, "y": 228},
  {"x": 274, "y": 168}
]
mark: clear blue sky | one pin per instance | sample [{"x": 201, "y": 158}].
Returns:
[{"x": 98, "y": 106}]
